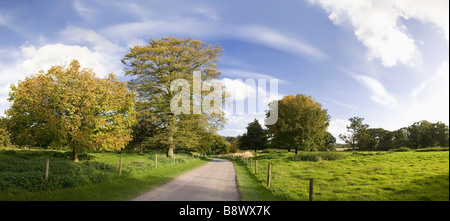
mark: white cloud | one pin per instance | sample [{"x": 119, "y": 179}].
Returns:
[
  {"x": 377, "y": 25},
  {"x": 236, "y": 123},
  {"x": 337, "y": 127},
  {"x": 43, "y": 58},
  {"x": 379, "y": 93},
  {"x": 251, "y": 99},
  {"x": 111, "y": 53},
  {"x": 431, "y": 98},
  {"x": 30, "y": 59},
  {"x": 435, "y": 12},
  {"x": 240, "y": 89}
]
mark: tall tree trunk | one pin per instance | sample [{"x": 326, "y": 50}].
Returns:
[
  {"x": 171, "y": 129},
  {"x": 296, "y": 151},
  {"x": 171, "y": 147},
  {"x": 75, "y": 155}
]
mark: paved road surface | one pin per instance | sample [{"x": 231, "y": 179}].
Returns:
[{"x": 213, "y": 181}]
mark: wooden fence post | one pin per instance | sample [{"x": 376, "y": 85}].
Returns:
[
  {"x": 47, "y": 165},
  {"x": 268, "y": 175},
  {"x": 311, "y": 189},
  {"x": 256, "y": 166},
  {"x": 120, "y": 166}
]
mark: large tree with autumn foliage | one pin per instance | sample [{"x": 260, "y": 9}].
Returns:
[
  {"x": 69, "y": 106},
  {"x": 153, "y": 67},
  {"x": 302, "y": 124}
]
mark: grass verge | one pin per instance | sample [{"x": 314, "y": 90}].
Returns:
[
  {"x": 93, "y": 179},
  {"x": 249, "y": 187}
]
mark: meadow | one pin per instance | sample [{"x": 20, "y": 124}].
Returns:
[
  {"x": 95, "y": 177},
  {"x": 347, "y": 176}
]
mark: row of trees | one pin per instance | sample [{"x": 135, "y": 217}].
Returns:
[
  {"x": 68, "y": 106},
  {"x": 302, "y": 124},
  {"x": 419, "y": 135}
]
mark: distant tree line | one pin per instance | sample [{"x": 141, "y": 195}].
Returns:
[
  {"x": 302, "y": 125},
  {"x": 421, "y": 134}
]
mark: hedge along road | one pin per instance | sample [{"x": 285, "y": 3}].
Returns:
[{"x": 213, "y": 181}]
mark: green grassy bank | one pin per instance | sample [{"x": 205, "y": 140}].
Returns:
[{"x": 94, "y": 178}]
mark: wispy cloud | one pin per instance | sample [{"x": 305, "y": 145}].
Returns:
[
  {"x": 349, "y": 106},
  {"x": 379, "y": 92},
  {"x": 3, "y": 19},
  {"x": 437, "y": 79},
  {"x": 274, "y": 39},
  {"x": 207, "y": 11},
  {"x": 158, "y": 28},
  {"x": 430, "y": 100},
  {"x": 188, "y": 25},
  {"x": 84, "y": 11},
  {"x": 81, "y": 36},
  {"x": 7, "y": 19},
  {"x": 250, "y": 74}
]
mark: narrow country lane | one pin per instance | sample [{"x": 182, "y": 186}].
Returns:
[{"x": 213, "y": 181}]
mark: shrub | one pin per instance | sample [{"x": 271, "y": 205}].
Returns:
[
  {"x": 373, "y": 153},
  {"x": 402, "y": 149},
  {"x": 429, "y": 149},
  {"x": 318, "y": 156},
  {"x": 27, "y": 172}
]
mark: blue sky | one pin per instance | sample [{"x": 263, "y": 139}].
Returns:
[{"x": 383, "y": 60}]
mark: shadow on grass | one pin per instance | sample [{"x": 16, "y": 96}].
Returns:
[{"x": 434, "y": 188}]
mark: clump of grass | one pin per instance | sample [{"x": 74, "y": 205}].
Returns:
[{"x": 318, "y": 156}]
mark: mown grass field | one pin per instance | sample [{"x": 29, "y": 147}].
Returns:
[
  {"x": 94, "y": 178},
  {"x": 347, "y": 176}
]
